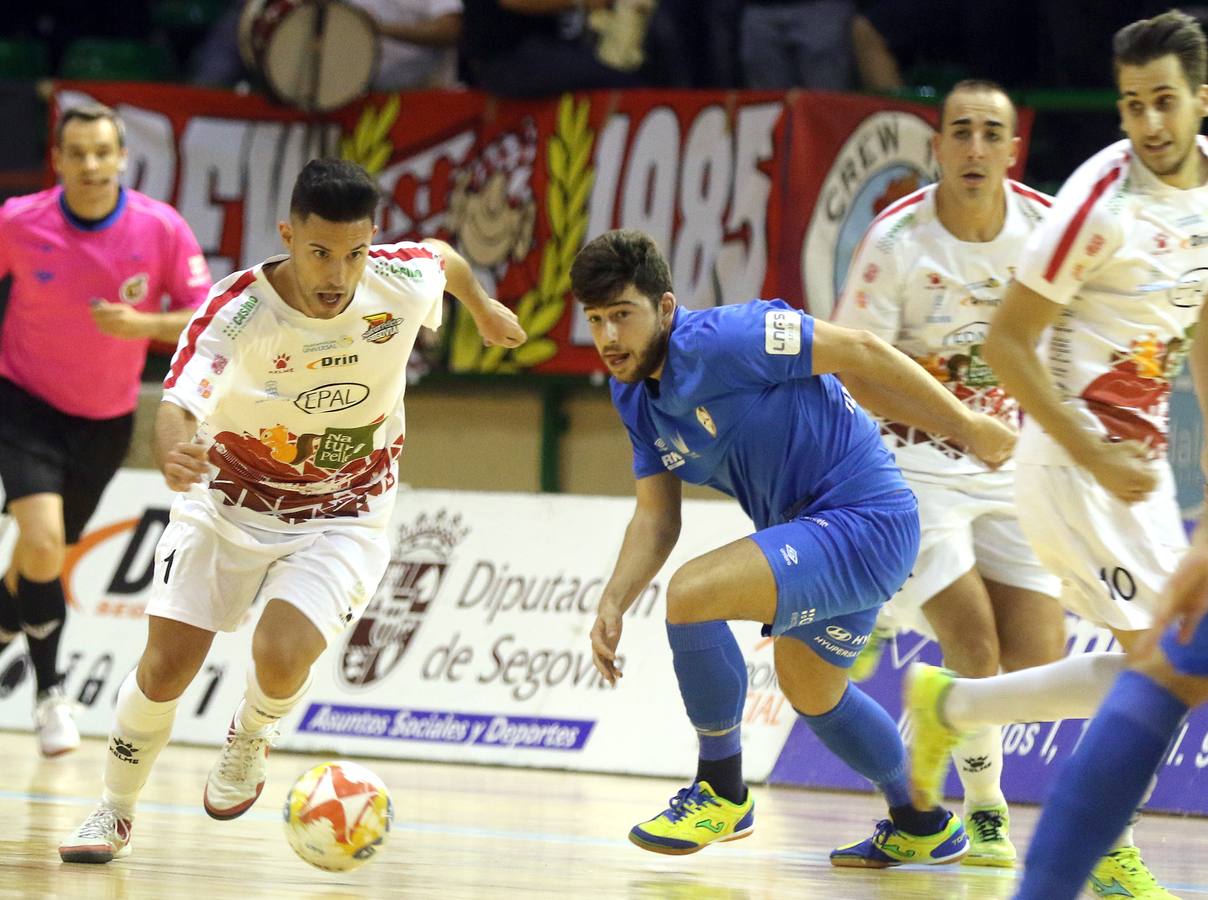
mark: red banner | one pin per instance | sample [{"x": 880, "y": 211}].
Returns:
[{"x": 750, "y": 194}]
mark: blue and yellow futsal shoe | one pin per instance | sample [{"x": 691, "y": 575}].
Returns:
[
  {"x": 696, "y": 817},
  {"x": 890, "y": 846}
]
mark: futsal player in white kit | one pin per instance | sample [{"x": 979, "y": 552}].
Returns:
[
  {"x": 280, "y": 428},
  {"x": 927, "y": 278},
  {"x": 1114, "y": 282}
]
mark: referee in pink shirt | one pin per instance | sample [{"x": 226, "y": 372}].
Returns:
[{"x": 90, "y": 263}]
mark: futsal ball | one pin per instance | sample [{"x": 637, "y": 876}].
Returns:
[{"x": 337, "y": 815}]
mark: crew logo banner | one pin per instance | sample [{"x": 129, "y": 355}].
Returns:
[{"x": 749, "y": 194}]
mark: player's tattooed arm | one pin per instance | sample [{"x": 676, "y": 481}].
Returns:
[
  {"x": 495, "y": 322},
  {"x": 890, "y": 384},
  {"x": 182, "y": 462}
]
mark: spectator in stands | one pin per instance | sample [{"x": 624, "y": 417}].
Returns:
[
  {"x": 532, "y": 48},
  {"x": 418, "y": 42}
]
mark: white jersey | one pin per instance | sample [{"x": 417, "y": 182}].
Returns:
[
  {"x": 1127, "y": 256},
  {"x": 304, "y": 416},
  {"x": 914, "y": 284}
]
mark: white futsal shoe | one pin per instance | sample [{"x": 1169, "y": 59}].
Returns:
[
  {"x": 237, "y": 778},
  {"x": 103, "y": 836},
  {"x": 55, "y": 723}
]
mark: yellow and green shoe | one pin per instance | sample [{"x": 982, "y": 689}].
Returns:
[
  {"x": 696, "y": 817},
  {"x": 890, "y": 846},
  {"x": 989, "y": 837},
  {"x": 932, "y": 739},
  {"x": 1122, "y": 873}
]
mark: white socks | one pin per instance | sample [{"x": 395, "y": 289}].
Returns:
[
  {"x": 258, "y": 710},
  {"x": 978, "y": 761},
  {"x": 141, "y": 728},
  {"x": 1071, "y": 688}
]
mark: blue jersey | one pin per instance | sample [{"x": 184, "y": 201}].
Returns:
[{"x": 738, "y": 408}]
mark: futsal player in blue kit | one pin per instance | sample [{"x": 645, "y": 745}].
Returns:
[{"x": 744, "y": 398}]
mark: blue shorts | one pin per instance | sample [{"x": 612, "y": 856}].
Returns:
[
  {"x": 835, "y": 568},
  {"x": 1192, "y": 658}
]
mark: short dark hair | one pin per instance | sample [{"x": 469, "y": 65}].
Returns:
[
  {"x": 1173, "y": 33},
  {"x": 615, "y": 260},
  {"x": 976, "y": 86},
  {"x": 335, "y": 190},
  {"x": 89, "y": 112}
]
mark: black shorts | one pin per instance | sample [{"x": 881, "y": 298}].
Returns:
[{"x": 46, "y": 451}]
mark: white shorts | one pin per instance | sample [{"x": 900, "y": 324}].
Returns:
[
  {"x": 1113, "y": 558},
  {"x": 209, "y": 571},
  {"x": 967, "y": 522}
]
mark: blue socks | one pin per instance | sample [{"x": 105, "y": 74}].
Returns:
[
  {"x": 863, "y": 735},
  {"x": 1099, "y": 787},
  {"x": 712, "y": 675}
]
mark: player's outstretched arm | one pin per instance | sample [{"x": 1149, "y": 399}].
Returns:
[
  {"x": 649, "y": 540},
  {"x": 1010, "y": 350},
  {"x": 182, "y": 462},
  {"x": 887, "y": 382},
  {"x": 495, "y": 322}
]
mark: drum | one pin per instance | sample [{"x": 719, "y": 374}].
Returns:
[{"x": 316, "y": 55}]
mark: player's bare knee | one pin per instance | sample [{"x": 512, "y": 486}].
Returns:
[
  {"x": 163, "y": 675},
  {"x": 281, "y": 666},
  {"x": 813, "y": 687},
  {"x": 972, "y": 655},
  {"x": 681, "y": 594},
  {"x": 40, "y": 553}
]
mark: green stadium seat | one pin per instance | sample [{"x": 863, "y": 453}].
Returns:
[
  {"x": 23, "y": 58},
  {"x": 187, "y": 15},
  {"x": 112, "y": 59}
]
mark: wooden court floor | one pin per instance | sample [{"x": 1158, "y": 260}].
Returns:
[{"x": 464, "y": 831}]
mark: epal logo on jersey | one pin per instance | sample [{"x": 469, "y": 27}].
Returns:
[
  {"x": 887, "y": 157},
  {"x": 1188, "y": 292},
  {"x": 332, "y": 397},
  {"x": 422, "y": 552},
  {"x": 382, "y": 327}
]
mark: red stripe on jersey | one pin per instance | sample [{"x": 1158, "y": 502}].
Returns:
[
  {"x": 404, "y": 253},
  {"x": 202, "y": 322},
  {"x": 1025, "y": 191},
  {"x": 1075, "y": 226}
]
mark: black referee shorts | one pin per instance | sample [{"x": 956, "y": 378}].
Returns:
[{"x": 46, "y": 451}]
